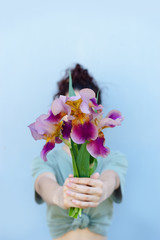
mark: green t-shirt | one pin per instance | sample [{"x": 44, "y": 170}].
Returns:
[{"x": 97, "y": 219}]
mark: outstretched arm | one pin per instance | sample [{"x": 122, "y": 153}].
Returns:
[
  {"x": 47, "y": 187},
  {"x": 77, "y": 192}
]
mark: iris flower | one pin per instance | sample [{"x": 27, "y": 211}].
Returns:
[
  {"x": 78, "y": 118},
  {"x": 48, "y": 127},
  {"x": 83, "y": 128},
  {"x": 79, "y": 110},
  {"x": 96, "y": 147}
]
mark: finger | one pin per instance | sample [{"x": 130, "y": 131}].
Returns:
[
  {"x": 69, "y": 203},
  {"x": 85, "y": 189},
  {"x": 95, "y": 175},
  {"x": 70, "y": 176},
  {"x": 72, "y": 204},
  {"x": 81, "y": 204},
  {"x": 82, "y": 197},
  {"x": 86, "y": 181},
  {"x": 66, "y": 187},
  {"x": 66, "y": 181},
  {"x": 67, "y": 197}
]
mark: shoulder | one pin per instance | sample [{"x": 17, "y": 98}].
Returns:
[
  {"x": 115, "y": 160},
  {"x": 39, "y": 166},
  {"x": 114, "y": 155},
  {"x": 52, "y": 156}
]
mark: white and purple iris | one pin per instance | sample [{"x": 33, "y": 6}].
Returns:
[{"x": 78, "y": 118}]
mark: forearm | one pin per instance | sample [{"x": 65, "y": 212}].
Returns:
[
  {"x": 110, "y": 181},
  {"x": 50, "y": 191}
]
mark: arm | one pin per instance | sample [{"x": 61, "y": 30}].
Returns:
[
  {"x": 77, "y": 192},
  {"x": 48, "y": 188},
  {"x": 52, "y": 193},
  {"x": 111, "y": 182}
]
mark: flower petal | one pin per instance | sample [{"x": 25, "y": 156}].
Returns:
[
  {"x": 34, "y": 132},
  {"x": 59, "y": 106},
  {"x": 113, "y": 119},
  {"x": 54, "y": 118},
  {"x": 108, "y": 122},
  {"x": 96, "y": 148},
  {"x": 74, "y": 98},
  {"x": 93, "y": 100},
  {"x": 66, "y": 129},
  {"x": 95, "y": 105},
  {"x": 82, "y": 132},
  {"x": 114, "y": 114},
  {"x": 84, "y": 107},
  {"x": 74, "y": 104},
  {"x": 43, "y": 126},
  {"x": 40, "y": 127},
  {"x": 46, "y": 126},
  {"x": 87, "y": 93},
  {"x": 58, "y": 140},
  {"x": 47, "y": 147}
]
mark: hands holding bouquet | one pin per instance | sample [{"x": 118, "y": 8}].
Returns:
[
  {"x": 82, "y": 133},
  {"x": 83, "y": 192},
  {"x": 87, "y": 192}
]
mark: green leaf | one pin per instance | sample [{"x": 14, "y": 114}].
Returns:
[
  {"x": 75, "y": 169},
  {"x": 91, "y": 159},
  {"x": 93, "y": 165},
  {"x": 73, "y": 148},
  {"x": 97, "y": 96},
  {"x": 79, "y": 146},
  {"x": 74, "y": 212},
  {"x": 73, "y": 151},
  {"x": 76, "y": 149},
  {"x": 76, "y": 215},
  {"x": 80, "y": 212},
  {"x": 82, "y": 161},
  {"x": 71, "y": 91}
]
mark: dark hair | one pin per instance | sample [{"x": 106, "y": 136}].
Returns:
[{"x": 80, "y": 79}]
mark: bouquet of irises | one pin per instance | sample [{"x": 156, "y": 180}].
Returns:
[{"x": 78, "y": 122}]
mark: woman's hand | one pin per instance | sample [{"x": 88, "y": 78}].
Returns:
[{"x": 86, "y": 192}]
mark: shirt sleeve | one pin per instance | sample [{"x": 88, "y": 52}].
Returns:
[
  {"x": 38, "y": 167},
  {"x": 117, "y": 162}
]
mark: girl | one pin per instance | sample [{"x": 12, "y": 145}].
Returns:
[{"x": 55, "y": 184}]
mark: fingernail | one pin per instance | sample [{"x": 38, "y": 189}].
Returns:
[
  {"x": 75, "y": 201},
  {"x": 69, "y": 184},
  {"x": 71, "y": 180},
  {"x": 68, "y": 192}
]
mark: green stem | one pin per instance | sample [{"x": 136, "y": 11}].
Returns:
[
  {"x": 75, "y": 170},
  {"x": 65, "y": 141}
]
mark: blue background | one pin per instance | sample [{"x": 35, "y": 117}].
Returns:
[{"x": 119, "y": 42}]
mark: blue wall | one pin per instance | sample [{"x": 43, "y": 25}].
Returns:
[{"x": 118, "y": 41}]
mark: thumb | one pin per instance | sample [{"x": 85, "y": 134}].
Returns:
[{"x": 95, "y": 175}]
